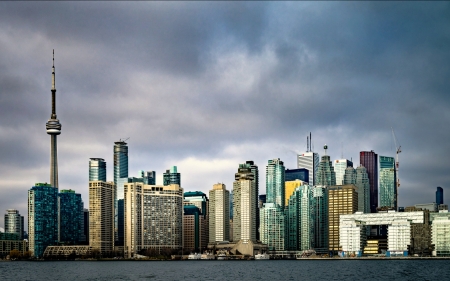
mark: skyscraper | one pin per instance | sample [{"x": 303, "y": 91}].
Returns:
[
  {"x": 309, "y": 160},
  {"x": 320, "y": 195},
  {"x": 171, "y": 176},
  {"x": 360, "y": 179},
  {"x": 388, "y": 189},
  {"x": 120, "y": 166},
  {"x": 255, "y": 171},
  {"x": 101, "y": 215},
  {"x": 369, "y": 160},
  {"x": 53, "y": 129},
  {"x": 275, "y": 183},
  {"x": 325, "y": 173},
  {"x": 272, "y": 230},
  {"x": 339, "y": 168},
  {"x": 194, "y": 229},
  {"x": 201, "y": 201},
  {"x": 439, "y": 196},
  {"x": 42, "y": 218},
  {"x": 296, "y": 174},
  {"x": 289, "y": 189},
  {"x": 70, "y": 217},
  {"x": 97, "y": 169},
  {"x": 219, "y": 214},
  {"x": 14, "y": 223},
  {"x": 244, "y": 205}
]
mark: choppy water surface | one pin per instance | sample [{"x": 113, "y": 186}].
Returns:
[{"x": 228, "y": 270}]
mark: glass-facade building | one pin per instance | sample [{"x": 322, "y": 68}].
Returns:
[
  {"x": 14, "y": 223},
  {"x": 309, "y": 161},
  {"x": 42, "y": 218},
  {"x": 388, "y": 189},
  {"x": 339, "y": 168},
  {"x": 369, "y": 160},
  {"x": 360, "y": 179},
  {"x": 325, "y": 174},
  {"x": 439, "y": 196},
  {"x": 275, "y": 183},
  {"x": 272, "y": 229},
  {"x": 320, "y": 195},
  {"x": 97, "y": 169},
  {"x": 70, "y": 217},
  {"x": 296, "y": 174},
  {"x": 172, "y": 176},
  {"x": 120, "y": 166}
]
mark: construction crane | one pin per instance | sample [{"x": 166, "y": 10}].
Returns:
[{"x": 398, "y": 149}]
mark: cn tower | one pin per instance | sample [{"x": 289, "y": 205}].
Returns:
[{"x": 53, "y": 129}]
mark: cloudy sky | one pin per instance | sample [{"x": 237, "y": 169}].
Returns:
[{"x": 208, "y": 85}]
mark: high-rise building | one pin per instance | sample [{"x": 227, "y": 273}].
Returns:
[
  {"x": 296, "y": 174},
  {"x": 97, "y": 169},
  {"x": 439, "y": 196},
  {"x": 149, "y": 177},
  {"x": 309, "y": 160},
  {"x": 272, "y": 229},
  {"x": 360, "y": 179},
  {"x": 369, "y": 160},
  {"x": 300, "y": 219},
  {"x": 339, "y": 168},
  {"x": 42, "y": 218},
  {"x": 219, "y": 213},
  {"x": 342, "y": 200},
  {"x": 120, "y": 223},
  {"x": 153, "y": 217},
  {"x": 320, "y": 195},
  {"x": 201, "y": 201},
  {"x": 255, "y": 170},
  {"x": 14, "y": 223},
  {"x": 70, "y": 217},
  {"x": 101, "y": 215},
  {"x": 194, "y": 229},
  {"x": 290, "y": 187},
  {"x": 261, "y": 200},
  {"x": 388, "y": 189},
  {"x": 244, "y": 205},
  {"x": 120, "y": 166},
  {"x": 53, "y": 129},
  {"x": 325, "y": 174},
  {"x": 275, "y": 182},
  {"x": 85, "y": 236},
  {"x": 171, "y": 176}
]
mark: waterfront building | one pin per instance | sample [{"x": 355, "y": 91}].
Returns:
[
  {"x": 300, "y": 221},
  {"x": 420, "y": 234},
  {"x": 275, "y": 182},
  {"x": 388, "y": 188},
  {"x": 201, "y": 201},
  {"x": 325, "y": 173},
  {"x": 342, "y": 199},
  {"x": 360, "y": 179},
  {"x": 398, "y": 230},
  {"x": 70, "y": 217},
  {"x": 310, "y": 161},
  {"x": 255, "y": 170},
  {"x": 14, "y": 223},
  {"x": 12, "y": 241},
  {"x": 369, "y": 160},
  {"x": 85, "y": 239},
  {"x": 244, "y": 205},
  {"x": 339, "y": 168},
  {"x": 439, "y": 196},
  {"x": 443, "y": 207},
  {"x": 97, "y": 169},
  {"x": 42, "y": 218},
  {"x": 120, "y": 166},
  {"x": 320, "y": 195},
  {"x": 440, "y": 233},
  {"x": 171, "y": 176},
  {"x": 195, "y": 229},
  {"x": 101, "y": 215},
  {"x": 272, "y": 227},
  {"x": 153, "y": 218},
  {"x": 53, "y": 129},
  {"x": 120, "y": 223},
  {"x": 289, "y": 188},
  {"x": 432, "y": 207},
  {"x": 231, "y": 214},
  {"x": 296, "y": 174},
  {"x": 219, "y": 213}
]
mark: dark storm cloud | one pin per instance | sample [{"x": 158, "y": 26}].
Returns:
[{"x": 205, "y": 85}]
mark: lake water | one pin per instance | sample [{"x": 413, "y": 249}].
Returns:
[{"x": 228, "y": 270}]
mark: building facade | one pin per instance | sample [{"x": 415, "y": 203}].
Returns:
[
  {"x": 439, "y": 196},
  {"x": 172, "y": 176},
  {"x": 42, "y": 218},
  {"x": 296, "y": 174},
  {"x": 14, "y": 223},
  {"x": 388, "y": 182},
  {"x": 97, "y": 169},
  {"x": 320, "y": 195},
  {"x": 310, "y": 161},
  {"x": 153, "y": 218},
  {"x": 201, "y": 201},
  {"x": 70, "y": 217},
  {"x": 339, "y": 168},
  {"x": 219, "y": 213},
  {"x": 289, "y": 189},
  {"x": 275, "y": 183},
  {"x": 440, "y": 233},
  {"x": 325, "y": 174},
  {"x": 369, "y": 160},
  {"x": 101, "y": 215},
  {"x": 272, "y": 229},
  {"x": 195, "y": 229}
]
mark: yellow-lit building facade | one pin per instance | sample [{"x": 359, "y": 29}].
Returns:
[{"x": 289, "y": 188}]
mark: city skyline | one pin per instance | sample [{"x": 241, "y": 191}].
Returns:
[{"x": 194, "y": 77}]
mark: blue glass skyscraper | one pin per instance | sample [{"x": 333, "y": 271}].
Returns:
[
  {"x": 297, "y": 174},
  {"x": 42, "y": 218},
  {"x": 388, "y": 190},
  {"x": 275, "y": 182},
  {"x": 172, "y": 176},
  {"x": 439, "y": 196},
  {"x": 70, "y": 217},
  {"x": 120, "y": 165},
  {"x": 97, "y": 169}
]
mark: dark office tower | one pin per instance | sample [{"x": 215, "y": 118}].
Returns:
[
  {"x": 53, "y": 129},
  {"x": 325, "y": 174},
  {"x": 172, "y": 177},
  {"x": 261, "y": 200},
  {"x": 97, "y": 169},
  {"x": 369, "y": 160},
  {"x": 296, "y": 174},
  {"x": 70, "y": 217},
  {"x": 148, "y": 177},
  {"x": 439, "y": 196},
  {"x": 86, "y": 226},
  {"x": 255, "y": 171},
  {"x": 120, "y": 223}
]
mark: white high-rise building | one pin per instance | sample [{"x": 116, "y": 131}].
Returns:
[
  {"x": 339, "y": 168},
  {"x": 219, "y": 214},
  {"x": 309, "y": 160}
]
